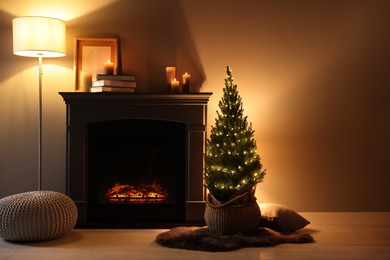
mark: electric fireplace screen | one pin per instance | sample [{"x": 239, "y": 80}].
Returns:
[{"x": 136, "y": 172}]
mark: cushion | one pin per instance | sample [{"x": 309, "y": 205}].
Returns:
[
  {"x": 36, "y": 216},
  {"x": 281, "y": 218}
]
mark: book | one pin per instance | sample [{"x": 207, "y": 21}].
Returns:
[
  {"x": 114, "y": 83},
  {"x": 115, "y": 77},
  {"x": 111, "y": 89}
]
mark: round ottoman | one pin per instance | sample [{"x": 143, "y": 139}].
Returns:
[{"x": 36, "y": 216}]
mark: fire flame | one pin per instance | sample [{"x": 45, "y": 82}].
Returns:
[{"x": 145, "y": 193}]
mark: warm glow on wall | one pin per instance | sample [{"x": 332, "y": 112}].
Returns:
[{"x": 63, "y": 9}]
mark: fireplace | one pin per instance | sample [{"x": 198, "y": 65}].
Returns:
[
  {"x": 136, "y": 171},
  {"x": 136, "y": 160}
]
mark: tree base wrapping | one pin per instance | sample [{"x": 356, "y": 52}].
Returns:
[{"x": 241, "y": 214}]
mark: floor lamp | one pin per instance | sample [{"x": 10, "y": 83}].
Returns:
[{"x": 41, "y": 37}]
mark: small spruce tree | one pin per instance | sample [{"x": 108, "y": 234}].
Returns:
[{"x": 231, "y": 159}]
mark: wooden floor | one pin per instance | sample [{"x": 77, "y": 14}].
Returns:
[{"x": 338, "y": 236}]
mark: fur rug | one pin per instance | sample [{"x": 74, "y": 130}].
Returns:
[{"x": 200, "y": 238}]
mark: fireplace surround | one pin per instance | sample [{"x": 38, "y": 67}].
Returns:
[{"x": 177, "y": 130}]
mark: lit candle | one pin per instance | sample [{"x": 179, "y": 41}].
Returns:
[
  {"x": 171, "y": 74},
  {"x": 175, "y": 86},
  {"x": 186, "y": 82},
  {"x": 109, "y": 68},
  {"x": 86, "y": 81}
]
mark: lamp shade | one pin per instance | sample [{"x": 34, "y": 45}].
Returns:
[{"x": 35, "y": 36}]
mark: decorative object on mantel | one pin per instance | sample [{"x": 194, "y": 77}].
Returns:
[
  {"x": 186, "y": 82},
  {"x": 201, "y": 239},
  {"x": 171, "y": 75},
  {"x": 174, "y": 84},
  {"x": 232, "y": 168},
  {"x": 114, "y": 83},
  {"x": 109, "y": 67},
  {"x": 95, "y": 56}
]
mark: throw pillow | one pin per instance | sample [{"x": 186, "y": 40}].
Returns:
[{"x": 281, "y": 218}]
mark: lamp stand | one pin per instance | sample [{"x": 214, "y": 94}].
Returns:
[
  {"x": 39, "y": 36},
  {"x": 40, "y": 125}
]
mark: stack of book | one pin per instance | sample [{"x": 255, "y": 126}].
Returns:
[{"x": 114, "y": 83}]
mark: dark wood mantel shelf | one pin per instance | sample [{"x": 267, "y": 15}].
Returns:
[{"x": 197, "y": 97}]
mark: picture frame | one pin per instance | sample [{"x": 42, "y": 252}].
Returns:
[{"x": 90, "y": 56}]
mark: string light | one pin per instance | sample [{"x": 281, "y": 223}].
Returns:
[{"x": 231, "y": 151}]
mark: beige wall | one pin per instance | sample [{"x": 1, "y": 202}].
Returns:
[{"x": 313, "y": 75}]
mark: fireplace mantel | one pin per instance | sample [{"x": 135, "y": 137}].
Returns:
[{"x": 84, "y": 108}]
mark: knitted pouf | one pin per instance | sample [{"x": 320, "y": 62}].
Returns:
[{"x": 36, "y": 216}]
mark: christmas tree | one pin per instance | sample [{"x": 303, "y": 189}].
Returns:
[{"x": 231, "y": 159}]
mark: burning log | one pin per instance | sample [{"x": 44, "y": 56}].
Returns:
[{"x": 145, "y": 193}]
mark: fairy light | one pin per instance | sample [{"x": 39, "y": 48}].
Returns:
[{"x": 232, "y": 153}]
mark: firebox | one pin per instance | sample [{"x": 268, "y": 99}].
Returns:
[
  {"x": 136, "y": 171},
  {"x": 136, "y": 159}
]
